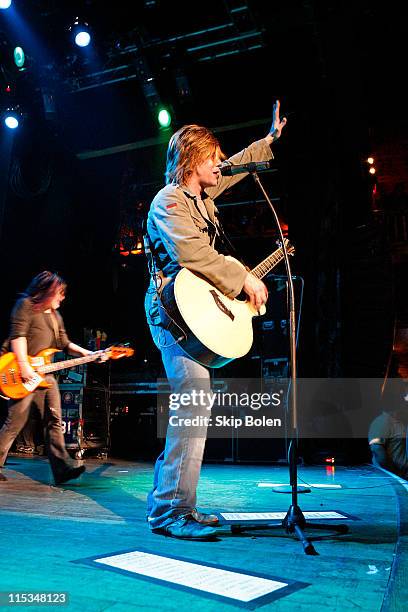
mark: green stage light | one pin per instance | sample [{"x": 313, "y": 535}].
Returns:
[
  {"x": 19, "y": 57},
  {"x": 164, "y": 118}
]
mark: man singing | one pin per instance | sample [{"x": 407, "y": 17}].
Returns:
[{"x": 182, "y": 227}]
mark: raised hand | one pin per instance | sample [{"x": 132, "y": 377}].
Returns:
[{"x": 277, "y": 123}]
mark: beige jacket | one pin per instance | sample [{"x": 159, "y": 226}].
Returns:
[{"x": 182, "y": 229}]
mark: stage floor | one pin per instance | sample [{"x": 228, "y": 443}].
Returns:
[{"x": 51, "y": 538}]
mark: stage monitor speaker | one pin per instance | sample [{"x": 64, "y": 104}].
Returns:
[
  {"x": 262, "y": 450},
  {"x": 220, "y": 450}
]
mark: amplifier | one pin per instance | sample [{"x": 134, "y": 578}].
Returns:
[{"x": 71, "y": 408}]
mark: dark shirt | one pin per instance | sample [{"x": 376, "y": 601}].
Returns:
[
  {"x": 390, "y": 433},
  {"x": 37, "y": 327}
]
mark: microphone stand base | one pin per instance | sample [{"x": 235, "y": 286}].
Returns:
[{"x": 288, "y": 489}]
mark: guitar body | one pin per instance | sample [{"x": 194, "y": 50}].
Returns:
[
  {"x": 216, "y": 329},
  {"x": 11, "y": 384}
]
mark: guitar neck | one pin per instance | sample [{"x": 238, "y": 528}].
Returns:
[
  {"x": 69, "y": 363},
  {"x": 267, "y": 264}
]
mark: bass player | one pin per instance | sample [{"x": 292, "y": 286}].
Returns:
[{"x": 36, "y": 325}]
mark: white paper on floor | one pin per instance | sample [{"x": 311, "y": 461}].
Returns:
[
  {"x": 217, "y": 581},
  {"x": 276, "y": 516}
]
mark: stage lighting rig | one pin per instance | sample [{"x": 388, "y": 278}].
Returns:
[
  {"x": 5, "y": 4},
  {"x": 151, "y": 94},
  {"x": 80, "y": 32}
]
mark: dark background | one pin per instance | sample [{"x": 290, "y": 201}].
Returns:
[{"x": 337, "y": 68}]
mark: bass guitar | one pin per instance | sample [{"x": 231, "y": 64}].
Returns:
[{"x": 13, "y": 387}]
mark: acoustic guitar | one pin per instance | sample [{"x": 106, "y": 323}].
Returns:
[{"x": 210, "y": 327}]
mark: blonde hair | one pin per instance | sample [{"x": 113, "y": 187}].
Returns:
[{"x": 189, "y": 147}]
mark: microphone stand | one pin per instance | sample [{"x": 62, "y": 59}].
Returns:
[{"x": 294, "y": 521}]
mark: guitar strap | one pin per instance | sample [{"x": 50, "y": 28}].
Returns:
[
  {"x": 227, "y": 244},
  {"x": 56, "y": 328},
  {"x": 155, "y": 273},
  {"x": 167, "y": 321}
]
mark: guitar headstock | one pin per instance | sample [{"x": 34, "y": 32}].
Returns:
[
  {"x": 290, "y": 249},
  {"x": 117, "y": 352}
]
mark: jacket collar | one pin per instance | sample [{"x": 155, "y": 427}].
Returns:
[{"x": 190, "y": 194}]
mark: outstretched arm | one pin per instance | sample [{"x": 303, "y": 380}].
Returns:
[{"x": 77, "y": 351}]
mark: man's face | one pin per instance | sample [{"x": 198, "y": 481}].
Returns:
[{"x": 208, "y": 172}]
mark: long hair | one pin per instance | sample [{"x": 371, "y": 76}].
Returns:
[
  {"x": 189, "y": 147},
  {"x": 43, "y": 287}
]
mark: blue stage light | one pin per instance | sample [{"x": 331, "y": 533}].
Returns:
[
  {"x": 5, "y": 4},
  {"x": 11, "y": 122},
  {"x": 82, "y": 39},
  {"x": 12, "y": 117},
  {"x": 80, "y": 32}
]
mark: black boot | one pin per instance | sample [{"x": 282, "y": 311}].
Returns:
[{"x": 70, "y": 474}]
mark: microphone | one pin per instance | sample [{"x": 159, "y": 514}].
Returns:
[{"x": 228, "y": 169}]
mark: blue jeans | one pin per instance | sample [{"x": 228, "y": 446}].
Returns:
[{"x": 178, "y": 467}]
